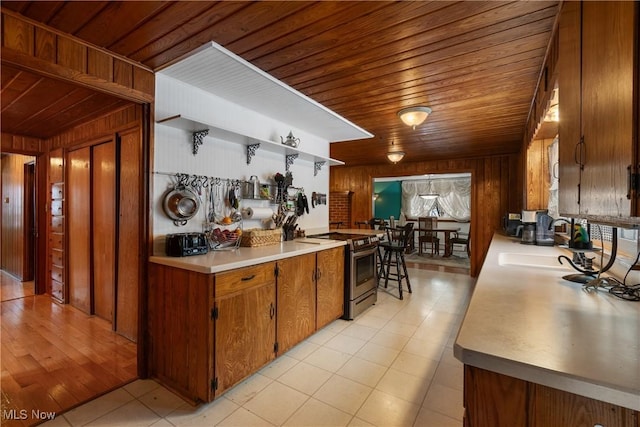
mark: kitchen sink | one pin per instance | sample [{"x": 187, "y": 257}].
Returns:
[{"x": 530, "y": 260}]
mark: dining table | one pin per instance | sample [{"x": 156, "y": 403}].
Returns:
[{"x": 446, "y": 231}]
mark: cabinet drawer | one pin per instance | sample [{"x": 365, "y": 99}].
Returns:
[
  {"x": 57, "y": 257},
  {"x": 57, "y": 290},
  {"x": 243, "y": 278},
  {"x": 57, "y": 224},
  {"x": 57, "y": 273},
  {"x": 57, "y": 191},
  {"x": 57, "y": 207},
  {"x": 56, "y": 241}
]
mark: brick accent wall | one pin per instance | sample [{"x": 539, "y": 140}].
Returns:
[{"x": 340, "y": 207}]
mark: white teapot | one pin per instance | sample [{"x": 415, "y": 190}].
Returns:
[{"x": 290, "y": 141}]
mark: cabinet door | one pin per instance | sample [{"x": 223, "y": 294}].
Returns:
[
  {"x": 79, "y": 216},
  {"x": 551, "y": 407},
  {"x": 103, "y": 211},
  {"x": 607, "y": 106},
  {"x": 569, "y": 108},
  {"x": 296, "y": 300},
  {"x": 245, "y": 334},
  {"x": 330, "y": 285},
  {"x": 492, "y": 399},
  {"x": 180, "y": 328},
  {"x": 56, "y": 165}
]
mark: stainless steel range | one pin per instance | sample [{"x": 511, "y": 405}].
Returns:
[{"x": 360, "y": 275}]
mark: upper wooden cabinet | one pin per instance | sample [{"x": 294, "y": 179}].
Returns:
[{"x": 598, "y": 95}]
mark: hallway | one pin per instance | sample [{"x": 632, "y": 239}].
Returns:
[{"x": 11, "y": 288}]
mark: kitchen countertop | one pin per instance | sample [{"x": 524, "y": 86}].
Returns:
[
  {"x": 218, "y": 261},
  {"x": 529, "y": 323}
]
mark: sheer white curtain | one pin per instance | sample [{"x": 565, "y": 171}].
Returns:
[{"x": 453, "y": 201}]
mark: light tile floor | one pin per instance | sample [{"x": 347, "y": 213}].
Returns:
[{"x": 392, "y": 366}]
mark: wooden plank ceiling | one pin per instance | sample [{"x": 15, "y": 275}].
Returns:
[{"x": 476, "y": 64}]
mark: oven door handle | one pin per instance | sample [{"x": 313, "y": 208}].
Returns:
[{"x": 363, "y": 254}]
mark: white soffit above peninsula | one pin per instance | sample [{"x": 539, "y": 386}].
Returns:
[{"x": 220, "y": 72}]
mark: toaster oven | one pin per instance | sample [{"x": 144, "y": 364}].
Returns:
[{"x": 186, "y": 244}]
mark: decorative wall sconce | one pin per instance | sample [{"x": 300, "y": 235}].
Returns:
[
  {"x": 375, "y": 196},
  {"x": 414, "y": 116}
]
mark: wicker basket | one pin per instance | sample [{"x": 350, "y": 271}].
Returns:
[{"x": 258, "y": 237}]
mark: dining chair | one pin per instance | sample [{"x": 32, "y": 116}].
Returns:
[
  {"x": 377, "y": 223},
  {"x": 426, "y": 223},
  {"x": 460, "y": 239}
]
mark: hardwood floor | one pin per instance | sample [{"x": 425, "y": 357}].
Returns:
[
  {"x": 12, "y": 288},
  {"x": 55, "y": 357}
]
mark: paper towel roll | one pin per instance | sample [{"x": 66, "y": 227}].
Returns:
[{"x": 256, "y": 213}]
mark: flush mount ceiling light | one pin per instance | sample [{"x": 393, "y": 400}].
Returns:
[
  {"x": 394, "y": 156},
  {"x": 414, "y": 116}
]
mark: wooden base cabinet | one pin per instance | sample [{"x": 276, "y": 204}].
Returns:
[
  {"x": 208, "y": 332},
  {"x": 496, "y": 400}
]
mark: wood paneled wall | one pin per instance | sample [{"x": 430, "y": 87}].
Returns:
[
  {"x": 496, "y": 188},
  {"x": 31, "y": 45},
  {"x": 118, "y": 121},
  {"x": 12, "y": 216},
  {"x": 22, "y": 144}
]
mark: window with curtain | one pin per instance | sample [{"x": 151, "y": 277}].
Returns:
[{"x": 453, "y": 199}]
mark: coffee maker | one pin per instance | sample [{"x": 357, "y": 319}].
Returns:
[
  {"x": 529, "y": 227},
  {"x": 512, "y": 224}
]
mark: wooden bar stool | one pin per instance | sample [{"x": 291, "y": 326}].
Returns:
[{"x": 393, "y": 262}]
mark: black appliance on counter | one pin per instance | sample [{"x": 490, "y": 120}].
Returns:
[
  {"x": 186, "y": 244},
  {"x": 512, "y": 224},
  {"x": 360, "y": 272}
]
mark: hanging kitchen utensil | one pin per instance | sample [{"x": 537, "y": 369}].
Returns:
[
  {"x": 212, "y": 209},
  {"x": 181, "y": 204}
]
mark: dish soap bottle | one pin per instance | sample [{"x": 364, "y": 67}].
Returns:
[{"x": 580, "y": 238}]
